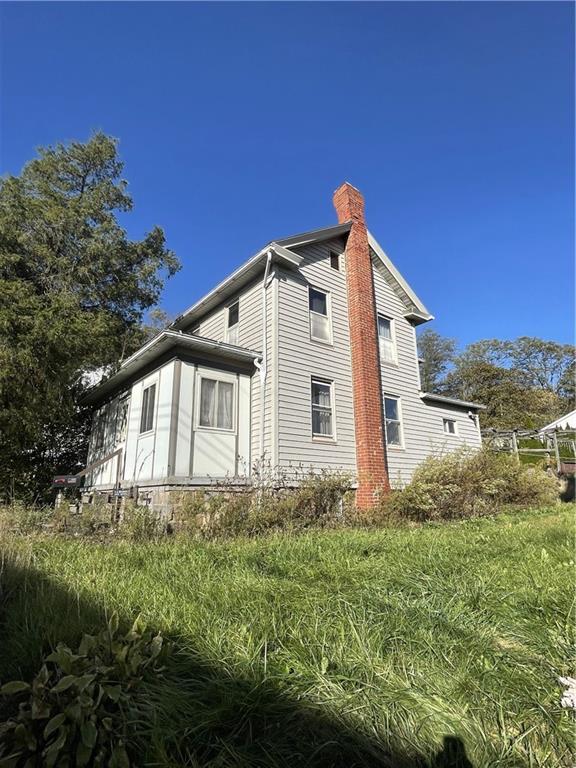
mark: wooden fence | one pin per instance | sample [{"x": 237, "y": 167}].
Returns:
[{"x": 557, "y": 446}]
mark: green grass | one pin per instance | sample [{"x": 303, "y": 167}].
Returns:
[{"x": 402, "y": 646}]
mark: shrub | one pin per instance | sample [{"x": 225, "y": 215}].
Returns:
[
  {"x": 79, "y": 707},
  {"x": 20, "y": 518},
  {"x": 317, "y": 501},
  {"x": 467, "y": 484},
  {"x": 140, "y": 523}
]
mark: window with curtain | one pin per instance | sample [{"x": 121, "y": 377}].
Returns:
[
  {"x": 233, "y": 323},
  {"x": 322, "y": 409},
  {"x": 216, "y": 404},
  {"x": 148, "y": 404},
  {"x": 386, "y": 339},
  {"x": 393, "y": 420},
  {"x": 318, "y": 305}
]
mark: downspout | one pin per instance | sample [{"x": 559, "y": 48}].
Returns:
[{"x": 261, "y": 365}]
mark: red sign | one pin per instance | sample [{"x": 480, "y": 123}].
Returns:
[{"x": 65, "y": 481}]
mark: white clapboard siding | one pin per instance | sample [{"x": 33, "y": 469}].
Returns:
[
  {"x": 422, "y": 423},
  {"x": 300, "y": 358},
  {"x": 213, "y": 326}
]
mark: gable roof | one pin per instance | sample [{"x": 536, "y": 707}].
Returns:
[
  {"x": 246, "y": 272},
  {"x": 281, "y": 253},
  {"x": 568, "y": 422},
  {"x": 251, "y": 268},
  {"x": 417, "y": 311}
]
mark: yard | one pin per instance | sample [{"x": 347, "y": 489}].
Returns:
[{"x": 436, "y": 645}]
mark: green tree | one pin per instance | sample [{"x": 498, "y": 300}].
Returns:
[
  {"x": 73, "y": 290},
  {"x": 510, "y": 404},
  {"x": 436, "y": 353}
]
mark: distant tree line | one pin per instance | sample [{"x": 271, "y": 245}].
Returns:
[{"x": 524, "y": 383}]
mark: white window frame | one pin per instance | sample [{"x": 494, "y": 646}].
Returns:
[
  {"x": 328, "y": 315},
  {"x": 382, "y": 340},
  {"x": 447, "y": 420},
  {"x": 235, "y": 329},
  {"x": 315, "y": 436},
  {"x": 394, "y": 446},
  {"x": 155, "y": 410},
  {"x": 217, "y": 376}
]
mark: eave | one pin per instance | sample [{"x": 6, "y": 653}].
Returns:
[
  {"x": 452, "y": 401},
  {"x": 417, "y": 312},
  {"x": 162, "y": 343},
  {"x": 232, "y": 284}
]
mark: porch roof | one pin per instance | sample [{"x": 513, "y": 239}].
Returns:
[
  {"x": 158, "y": 346},
  {"x": 443, "y": 400}
]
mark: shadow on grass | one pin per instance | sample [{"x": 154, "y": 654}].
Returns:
[{"x": 199, "y": 714}]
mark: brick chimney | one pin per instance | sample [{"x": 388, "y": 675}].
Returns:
[{"x": 371, "y": 461}]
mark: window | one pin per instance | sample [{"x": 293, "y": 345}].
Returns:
[
  {"x": 335, "y": 261},
  {"x": 322, "y": 415},
  {"x": 393, "y": 422},
  {"x": 216, "y": 404},
  {"x": 232, "y": 323},
  {"x": 318, "y": 303},
  {"x": 99, "y": 429},
  {"x": 122, "y": 418},
  {"x": 386, "y": 339},
  {"x": 450, "y": 427},
  {"x": 148, "y": 403}
]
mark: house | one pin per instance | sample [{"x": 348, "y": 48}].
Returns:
[
  {"x": 566, "y": 422},
  {"x": 305, "y": 356}
]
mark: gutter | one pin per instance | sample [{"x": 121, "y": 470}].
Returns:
[
  {"x": 262, "y": 364},
  {"x": 452, "y": 401}
]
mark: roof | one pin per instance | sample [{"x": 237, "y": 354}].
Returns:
[
  {"x": 246, "y": 272},
  {"x": 281, "y": 253},
  {"x": 568, "y": 421},
  {"x": 161, "y": 343},
  {"x": 417, "y": 312},
  {"x": 452, "y": 401}
]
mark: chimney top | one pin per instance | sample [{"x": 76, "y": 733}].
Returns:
[{"x": 349, "y": 204}]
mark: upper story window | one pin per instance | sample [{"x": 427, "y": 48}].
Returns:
[
  {"x": 393, "y": 418},
  {"x": 319, "y": 306},
  {"x": 335, "y": 260},
  {"x": 322, "y": 409},
  {"x": 450, "y": 426},
  {"x": 387, "y": 340},
  {"x": 148, "y": 406},
  {"x": 232, "y": 323},
  {"x": 216, "y": 404}
]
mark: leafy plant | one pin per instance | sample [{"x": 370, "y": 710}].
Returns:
[
  {"x": 78, "y": 708},
  {"x": 467, "y": 484},
  {"x": 304, "y": 500}
]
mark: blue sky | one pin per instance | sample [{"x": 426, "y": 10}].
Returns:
[{"x": 237, "y": 122}]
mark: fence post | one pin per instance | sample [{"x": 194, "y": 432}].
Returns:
[
  {"x": 556, "y": 451},
  {"x": 515, "y": 446}
]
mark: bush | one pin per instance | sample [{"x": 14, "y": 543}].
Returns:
[
  {"x": 78, "y": 709},
  {"x": 468, "y": 484},
  {"x": 318, "y": 501},
  {"x": 20, "y": 518},
  {"x": 140, "y": 522}
]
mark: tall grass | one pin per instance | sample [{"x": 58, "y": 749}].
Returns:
[{"x": 396, "y": 647}]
